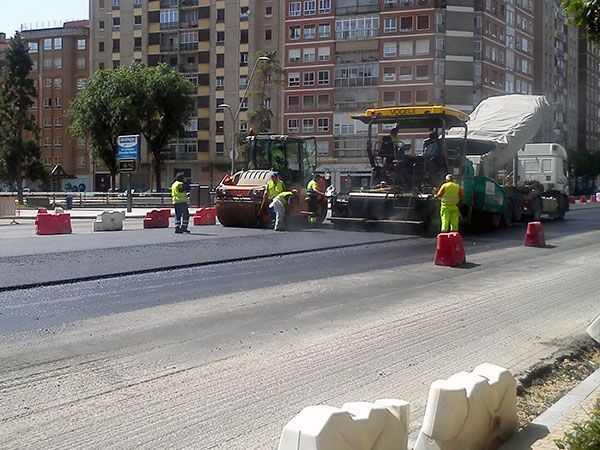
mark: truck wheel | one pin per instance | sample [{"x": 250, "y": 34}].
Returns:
[
  {"x": 562, "y": 208},
  {"x": 508, "y": 212},
  {"x": 495, "y": 220}
]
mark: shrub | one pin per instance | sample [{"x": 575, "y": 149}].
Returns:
[{"x": 583, "y": 436}]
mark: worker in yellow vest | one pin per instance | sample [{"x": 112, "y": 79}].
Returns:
[
  {"x": 313, "y": 195},
  {"x": 451, "y": 194},
  {"x": 274, "y": 186},
  {"x": 278, "y": 204},
  {"x": 180, "y": 202}
]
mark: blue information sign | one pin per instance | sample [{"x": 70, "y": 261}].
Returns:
[{"x": 128, "y": 147}]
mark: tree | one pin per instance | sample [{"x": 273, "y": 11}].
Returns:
[
  {"x": 20, "y": 156},
  {"x": 267, "y": 76},
  {"x": 586, "y": 14}
]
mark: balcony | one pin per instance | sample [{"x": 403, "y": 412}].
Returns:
[
  {"x": 187, "y": 46},
  {"x": 360, "y": 7},
  {"x": 355, "y": 106},
  {"x": 169, "y": 25},
  {"x": 189, "y": 67},
  {"x": 168, "y": 48},
  {"x": 169, "y": 3},
  {"x": 188, "y": 3},
  {"x": 352, "y": 35}
]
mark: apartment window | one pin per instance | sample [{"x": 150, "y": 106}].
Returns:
[
  {"x": 47, "y": 122},
  {"x": 81, "y": 83},
  {"x": 322, "y": 148},
  {"x": 405, "y": 48},
  {"x": 405, "y": 73},
  {"x": 100, "y": 46},
  {"x": 390, "y": 3},
  {"x": 295, "y": 9},
  {"x": 81, "y": 63},
  {"x": 293, "y": 102},
  {"x": 220, "y": 60},
  {"x": 220, "y": 83},
  {"x": 220, "y": 15},
  {"x": 422, "y": 22},
  {"x": 324, "y": 30},
  {"x": 422, "y": 97},
  {"x": 389, "y": 49},
  {"x": 294, "y": 55},
  {"x": 58, "y": 122},
  {"x": 357, "y": 28},
  {"x": 310, "y": 32},
  {"x": 309, "y": 78},
  {"x": 295, "y": 32},
  {"x": 47, "y": 83},
  {"x": 324, "y": 53},
  {"x": 323, "y": 77},
  {"x": 137, "y": 22},
  {"x": 58, "y": 102},
  {"x": 116, "y": 4},
  {"x": 422, "y": 47},
  {"x": 47, "y": 44},
  {"x": 116, "y": 24},
  {"x": 116, "y": 46},
  {"x": 81, "y": 44},
  {"x": 323, "y": 101},
  {"x": 323, "y": 124},
  {"x": 308, "y": 101},
  {"x": 57, "y": 141},
  {"x": 137, "y": 3},
  {"x": 47, "y": 63},
  {"x": 169, "y": 16},
  {"x": 47, "y": 142},
  {"x": 309, "y": 55},
  {"x": 244, "y": 59},
  {"x": 268, "y": 35},
  {"x": 406, "y": 24},
  {"x": 293, "y": 125},
  {"x": 389, "y": 74},
  {"x": 101, "y": 25},
  {"x": 33, "y": 47},
  {"x": 405, "y": 98},
  {"x": 101, "y": 4},
  {"x": 324, "y": 6},
  {"x": 57, "y": 83},
  {"x": 389, "y": 98},
  {"x": 293, "y": 79},
  {"x": 422, "y": 72},
  {"x": 310, "y": 7},
  {"x": 390, "y": 25},
  {"x": 58, "y": 62},
  {"x": 137, "y": 43},
  {"x": 220, "y": 37},
  {"x": 308, "y": 125},
  {"x": 269, "y": 11}
]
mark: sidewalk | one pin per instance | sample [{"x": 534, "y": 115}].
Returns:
[
  {"x": 573, "y": 408},
  {"x": 92, "y": 213}
]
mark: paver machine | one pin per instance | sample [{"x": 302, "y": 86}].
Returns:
[
  {"x": 404, "y": 186},
  {"x": 241, "y": 198}
]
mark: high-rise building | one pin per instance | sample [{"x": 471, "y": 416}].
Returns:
[
  {"x": 60, "y": 69},
  {"x": 588, "y": 96},
  {"x": 213, "y": 44},
  {"x": 555, "y": 72}
]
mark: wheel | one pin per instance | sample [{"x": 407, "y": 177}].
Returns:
[
  {"x": 495, "y": 220},
  {"x": 507, "y": 214}
]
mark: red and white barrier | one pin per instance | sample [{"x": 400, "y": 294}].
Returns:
[
  {"x": 157, "y": 219},
  {"x": 57, "y": 223},
  {"x": 450, "y": 250},
  {"x": 205, "y": 216}
]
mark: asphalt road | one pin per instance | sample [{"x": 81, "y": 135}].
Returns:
[{"x": 222, "y": 355}]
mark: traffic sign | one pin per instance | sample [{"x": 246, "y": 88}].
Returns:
[
  {"x": 127, "y": 165},
  {"x": 128, "y": 147}
]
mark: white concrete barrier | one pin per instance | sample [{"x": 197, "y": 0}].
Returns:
[
  {"x": 470, "y": 411},
  {"x": 109, "y": 221},
  {"x": 594, "y": 330},
  {"x": 382, "y": 425},
  {"x": 598, "y": 196}
]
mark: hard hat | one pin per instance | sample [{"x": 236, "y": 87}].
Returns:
[
  {"x": 449, "y": 177},
  {"x": 274, "y": 174}
]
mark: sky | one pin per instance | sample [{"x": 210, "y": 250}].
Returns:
[{"x": 43, "y": 12}]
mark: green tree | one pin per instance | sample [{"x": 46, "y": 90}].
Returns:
[
  {"x": 20, "y": 157},
  {"x": 266, "y": 78},
  {"x": 586, "y": 14}
]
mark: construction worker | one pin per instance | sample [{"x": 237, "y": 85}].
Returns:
[
  {"x": 180, "y": 202},
  {"x": 313, "y": 194},
  {"x": 274, "y": 187},
  {"x": 278, "y": 204},
  {"x": 451, "y": 194},
  {"x": 277, "y": 156}
]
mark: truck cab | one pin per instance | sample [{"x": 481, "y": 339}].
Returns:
[{"x": 545, "y": 164}]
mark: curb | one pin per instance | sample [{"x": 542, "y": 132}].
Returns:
[{"x": 545, "y": 423}]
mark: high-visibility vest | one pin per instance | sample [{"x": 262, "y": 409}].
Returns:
[
  {"x": 312, "y": 186},
  {"x": 451, "y": 195},
  {"x": 274, "y": 189},
  {"x": 284, "y": 197},
  {"x": 176, "y": 193}
]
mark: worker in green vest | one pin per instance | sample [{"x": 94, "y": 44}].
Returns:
[
  {"x": 180, "y": 202},
  {"x": 451, "y": 194},
  {"x": 278, "y": 204},
  {"x": 313, "y": 194},
  {"x": 274, "y": 186}
]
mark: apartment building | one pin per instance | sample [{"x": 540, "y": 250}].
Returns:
[
  {"x": 60, "y": 69},
  {"x": 555, "y": 72},
  {"x": 588, "y": 95},
  {"x": 211, "y": 42},
  {"x": 343, "y": 56}
]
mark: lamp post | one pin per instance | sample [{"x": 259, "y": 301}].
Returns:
[{"x": 235, "y": 118}]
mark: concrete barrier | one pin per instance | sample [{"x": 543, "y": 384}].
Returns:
[
  {"x": 109, "y": 221},
  {"x": 382, "y": 425},
  {"x": 470, "y": 411},
  {"x": 594, "y": 330}
]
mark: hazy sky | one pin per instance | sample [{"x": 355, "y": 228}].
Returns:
[{"x": 15, "y": 13}]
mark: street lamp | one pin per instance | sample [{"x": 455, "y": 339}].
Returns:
[{"x": 235, "y": 118}]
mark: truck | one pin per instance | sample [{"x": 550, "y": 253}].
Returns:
[
  {"x": 241, "y": 199},
  {"x": 481, "y": 151}
]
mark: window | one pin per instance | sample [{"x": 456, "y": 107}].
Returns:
[
  {"x": 389, "y": 74},
  {"x": 293, "y": 79},
  {"x": 310, "y": 32},
  {"x": 47, "y": 142},
  {"x": 308, "y": 125},
  {"x": 389, "y": 49},
  {"x": 389, "y": 98},
  {"x": 269, "y": 11},
  {"x": 168, "y": 17},
  {"x": 422, "y": 72},
  {"x": 406, "y": 48},
  {"x": 58, "y": 102},
  {"x": 310, "y": 7},
  {"x": 116, "y": 3},
  {"x": 47, "y": 63},
  {"x": 294, "y": 32},
  {"x": 322, "y": 101},
  {"x": 57, "y": 43},
  {"x": 57, "y": 141},
  {"x": 58, "y": 122},
  {"x": 33, "y": 47},
  {"x": 58, "y": 63},
  {"x": 116, "y": 23},
  {"x": 357, "y": 27},
  {"x": 405, "y": 73},
  {"x": 324, "y": 53},
  {"x": 322, "y": 148},
  {"x": 295, "y": 9},
  {"x": 309, "y": 78},
  {"x": 323, "y": 77},
  {"x": 308, "y": 101},
  {"x": 81, "y": 44},
  {"x": 324, "y": 6},
  {"x": 100, "y": 46},
  {"x": 219, "y": 83},
  {"x": 324, "y": 30},
  {"x": 47, "y": 122},
  {"x": 293, "y": 125},
  {"x": 268, "y": 35},
  {"x": 323, "y": 124},
  {"x": 294, "y": 55},
  {"x": 116, "y": 46},
  {"x": 422, "y": 97},
  {"x": 243, "y": 58},
  {"x": 47, "y": 44},
  {"x": 47, "y": 83},
  {"x": 81, "y": 63},
  {"x": 58, "y": 83},
  {"x": 293, "y": 102},
  {"x": 422, "y": 47},
  {"x": 422, "y": 22},
  {"x": 81, "y": 83},
  {"x": 405, "y": 98},
  {"x": 390, "y": 25},
  {"x": 309, "y": 55},
  {"x": 101, "y": 25},
  {"x": 406, "y": 24}
]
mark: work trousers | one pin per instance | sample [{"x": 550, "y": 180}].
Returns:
[
  {"x": 182, "y": 215},
  {"x": 279, "y": 209},
  {"x": 450, "y": 217}
]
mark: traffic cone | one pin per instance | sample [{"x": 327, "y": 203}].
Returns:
[
  {"x": 450, "y": 250},
  {"x": 534, "y": 237}
]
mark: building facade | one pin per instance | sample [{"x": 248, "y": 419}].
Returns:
[
  {"x": 60, "y": 69},
  {"x": 588, "y": 95}
]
